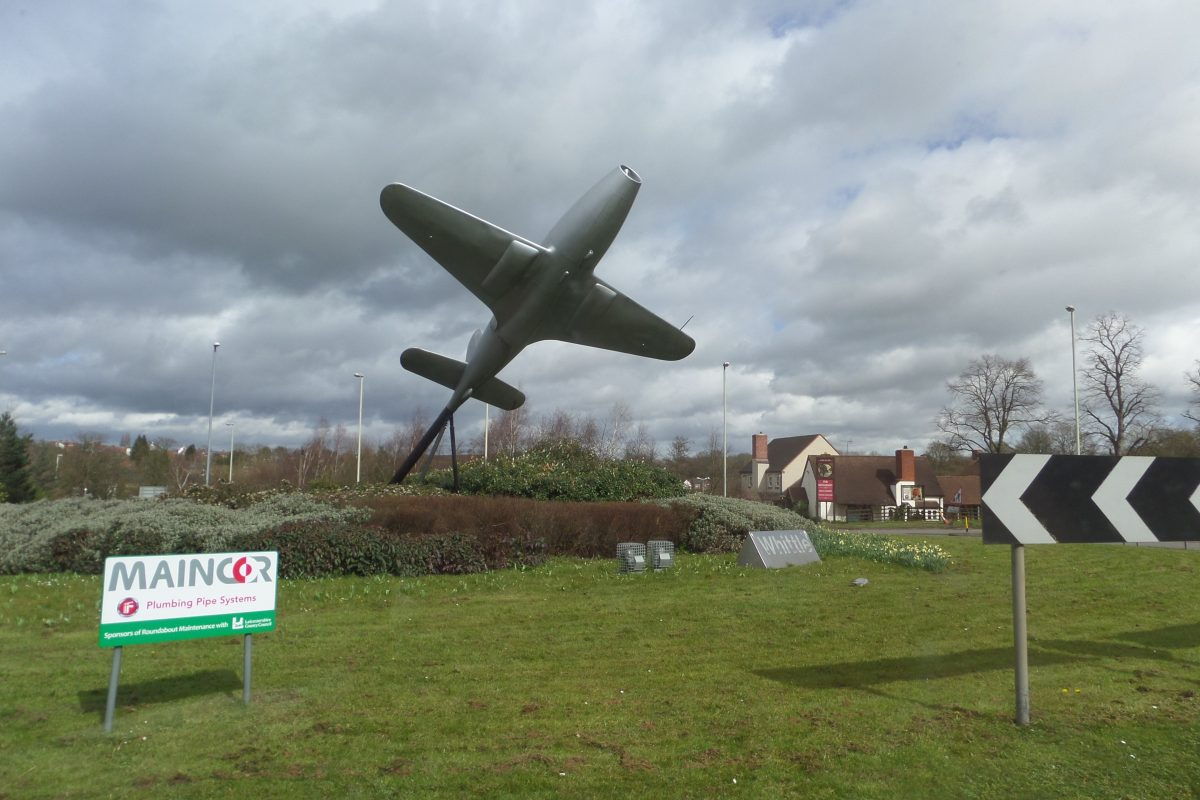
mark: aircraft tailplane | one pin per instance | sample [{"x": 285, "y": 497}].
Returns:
[{"x": 448, "y": 372}]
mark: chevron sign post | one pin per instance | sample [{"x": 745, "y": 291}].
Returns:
[{"x": 1038, "y": 499}]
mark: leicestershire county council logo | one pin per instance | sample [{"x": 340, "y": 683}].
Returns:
[{"x": 127, "y": 607}]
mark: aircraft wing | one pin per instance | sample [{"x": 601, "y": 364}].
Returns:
[
  {"x": 466, "y": 246},
  {"x": 610, "y": 320}
]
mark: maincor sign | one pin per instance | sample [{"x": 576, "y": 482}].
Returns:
[{"x": 161, "y": 598}]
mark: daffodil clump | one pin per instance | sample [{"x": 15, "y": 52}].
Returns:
[{"x": 873, "y": 547}]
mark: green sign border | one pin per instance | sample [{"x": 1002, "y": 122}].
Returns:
[{"x": 119, "y": 634}]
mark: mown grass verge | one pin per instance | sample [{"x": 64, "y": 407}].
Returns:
[{"x": 569, "y": 681}]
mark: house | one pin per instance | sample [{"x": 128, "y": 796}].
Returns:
[
  {"x": 777, "y": 466},
  {"x": 872, "y": 488},
  {"x": 962, "y": 495}
]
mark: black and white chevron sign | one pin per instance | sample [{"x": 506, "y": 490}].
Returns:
[{"x": 1037, "y": 499}]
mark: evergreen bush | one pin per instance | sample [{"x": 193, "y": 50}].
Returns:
[
  {"x": 720, "y": 524},
  {"x": 564, "y": 471},
  {"x": 77, "y": 534}
]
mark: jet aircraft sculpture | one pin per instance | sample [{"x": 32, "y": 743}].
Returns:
[{"x": 535, "y": 292}]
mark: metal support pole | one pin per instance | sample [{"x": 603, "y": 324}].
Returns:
[
  {"x": 1075, "y": 380},
  {"x": 212, "y": 394},
  {"x": 247, "y": 647},
  {"x": 1020, "y": 634},
  {"x": 111, "y": 705},
  {"x": 358, "y": 469},
  {"x": 724, "y": 435},
  {"x": 453, "y": 453}
]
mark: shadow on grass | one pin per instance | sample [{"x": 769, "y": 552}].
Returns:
[
  {"x": 861, "y": 674},
  {"x": 1152, "y": 644},
  {"x": 1170, "y": 637},
  {"x": 163, "y": 690}
]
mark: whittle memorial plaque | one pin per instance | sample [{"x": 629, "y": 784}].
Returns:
[{"x": 773, "y": 549}]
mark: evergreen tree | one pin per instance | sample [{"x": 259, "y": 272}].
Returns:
[
  {"x": 14, "y": 462},
  {"x": 141, "y": 449}
]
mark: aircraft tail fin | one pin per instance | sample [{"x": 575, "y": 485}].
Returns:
[{"x": 448, "y": 372}]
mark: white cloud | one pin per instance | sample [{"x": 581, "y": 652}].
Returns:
[{"x": 852, "y": 201}]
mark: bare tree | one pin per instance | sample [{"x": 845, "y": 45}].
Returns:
[
  {"x": 1120, "y": 406},
  {"x": 588, "y": 433},
  {"x": 677, "y": 456},
  {"x": 992, "y": 398},
  {"x": 642, "y": 446},
  {"x": 615, "y": 430},
  {"x": 1193, "y": 378},
  {"x": 509, "y": 431},
  {"x": 339, "y": 439},
  {"x": 555, "y": 428},
  {"x": 1055, "y": 438},
  {"x": 91, "y": 466}
]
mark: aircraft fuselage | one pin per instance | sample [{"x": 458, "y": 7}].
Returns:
[{"x": 561, "y": 280}]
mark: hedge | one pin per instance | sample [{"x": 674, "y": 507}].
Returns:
[
  {"x": 563, "y": 471},
  {"x": 405, "y": 535}
]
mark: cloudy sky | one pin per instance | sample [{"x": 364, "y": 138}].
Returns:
[{"x": 851, "y": 200}]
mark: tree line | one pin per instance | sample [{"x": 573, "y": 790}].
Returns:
[
  {"x": 329, "y": 458},
  {"x": 996, "y": 404}
]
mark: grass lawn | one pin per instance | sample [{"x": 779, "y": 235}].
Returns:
[{"x": 570, "y": 681}]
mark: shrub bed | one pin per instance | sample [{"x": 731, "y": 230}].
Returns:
[
  {"x": 404, "y": 534},
  {"x": 563, "y": 471},
  {"x": 516, "y": 524},
  {"x": 720, "y": 524},
  {"x": 317, "y": 549},
  {"x": 77, "y": 534}
]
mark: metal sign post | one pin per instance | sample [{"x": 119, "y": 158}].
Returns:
[
  {"x": 247, "y": 647},
  {"x": 1020, "y": 634},
  {"x": 111, "y": 705},
  {"x": 1044, "y": 499}
]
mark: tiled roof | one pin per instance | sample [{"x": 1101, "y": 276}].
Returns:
[
  {"x": 969, "y": 485},
  {"x": 868, "y": 480},
  {"x": 783, "y": 451}
]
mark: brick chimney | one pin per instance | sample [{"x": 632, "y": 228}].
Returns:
[
  {"x": 758, "y": 446},
  {"x": 906, "y": 465}
]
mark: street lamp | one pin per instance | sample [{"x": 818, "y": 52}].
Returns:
[
  {"x": 358, "y": 472},
  {"x": 212, "y": 393},
  {"x": 230, "y": 426},
  {"x": 724, "y": 434},
  {"x": 1074, "y": 378}
]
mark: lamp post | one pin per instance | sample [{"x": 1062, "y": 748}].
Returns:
[
  {"x": 724, "y": 433},
  {"x": 358, "y": 469},
  {"x": 1074, "y": 378},
  {"x": 212, "y": 393},
  {"x": 230, "y": 426},
  {"x": 486, "y": 424}
]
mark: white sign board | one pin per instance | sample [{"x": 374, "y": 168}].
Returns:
[
  {"x": 777, "y": 549},
  {"x": 162, "y": 598}
]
